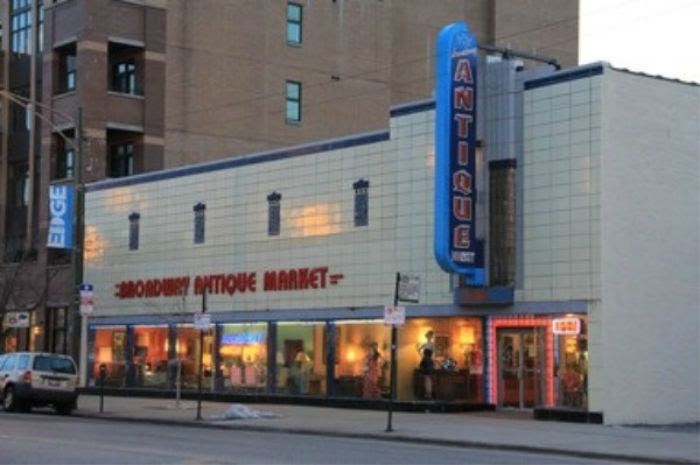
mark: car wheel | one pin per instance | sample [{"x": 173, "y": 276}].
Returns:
[
  {"x": 64, "y": 409},
  {"x": 9, "y": 401}
]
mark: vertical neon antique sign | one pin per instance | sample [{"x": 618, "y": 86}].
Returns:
[{"x": 456, "y": 248}]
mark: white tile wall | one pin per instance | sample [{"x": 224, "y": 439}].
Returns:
[
  {"x": 560, "y": 192},
  {"x": 316, "y": 228}
]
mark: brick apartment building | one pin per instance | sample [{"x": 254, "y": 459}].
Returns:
[{"x": 164, "y": 83}]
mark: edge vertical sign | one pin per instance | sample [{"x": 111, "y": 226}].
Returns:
[
  {"x": 60, "y": 217},
  {"x": 456, "y": 248}
]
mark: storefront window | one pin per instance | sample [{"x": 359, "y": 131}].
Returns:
[
  {"x": 571, "y": 361},
  {"x": 151, "y": 356},
  {"x": 362, "y": 356},
  {"x": 35, "y": 333},
  {"x": 187, "y": 350},
  {"x": 243, "y": 353},
  {"x": 10, "y": 342},
  {"x": 110, "y": 349},
  {"x": 441, "y": 359},
  {"x": 301, "y": 368}
]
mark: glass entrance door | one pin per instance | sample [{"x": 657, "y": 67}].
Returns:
[{"x": 520, "y": 367}]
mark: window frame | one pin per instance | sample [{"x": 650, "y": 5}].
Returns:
[
  {"x": 293, "y": 100},
  {"x": 294, "y": 22},
  {"x": 199, "y": 222},
  {"x": 21, "y": 18},
  {"x": 67, "y": 68},
  {"x": 134, "y": 226},
  {"x": 274, "y": 218},
  {"x": 125, "y": 81},
  {"x": 119, "y": 155},
  {"x": 361, "y": 203},
  {"x": 64, "y": 167}
]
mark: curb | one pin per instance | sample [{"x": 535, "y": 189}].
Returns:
[{"x": 396, "y": 438}]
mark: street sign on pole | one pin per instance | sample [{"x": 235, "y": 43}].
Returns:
[
  {"x": 202, "y": 321},
  {"x": 394, "y": 316},
  {"x": 409, "y": 288},
  {"x": 87, "y": 300},
  {"x": 406, "y": 289}
]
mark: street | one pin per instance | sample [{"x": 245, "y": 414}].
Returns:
[{"x": 40, "y": 438}]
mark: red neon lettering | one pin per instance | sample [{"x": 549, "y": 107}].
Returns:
[
  {"x": 461, "y": 237},
  {"x": 322, "y": 272},
  {"x": 463, "y": 125},
  {"x": 139, "y": 288},
  {"x": 303, "y": 278},
  {"x": 270, "y": 281},
  {"x": 463, "y": 153},
  {"x": 462, "y": 208},
  {"x": 462, "y": 182},
  {"x": 463, "y": 98},
  {"x": 463, "y": 71}
]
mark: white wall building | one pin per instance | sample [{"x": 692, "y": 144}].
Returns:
[{"x": 600, "y": 313}]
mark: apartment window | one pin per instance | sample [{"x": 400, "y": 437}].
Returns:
[
  {"x": 273, "y": 214},
  {"x": 20, "y": 114},
  {"x": 124, "y": 77},
  {"x": 293, "y": 101},
  {"x": 65, "y": 159},
  {"x": 121, "y": 160},
  {"x": 125, "y": 68},
  {"x": 67, "y": 67},
  {"x": 134, "y": 231},
  {"x": 361, "y": 216},
  {"x": 40, "y": 26},
  {"x": 65, "y": 163},
  {"x": 55, "y": 329},
  {"x": 18, "y": 185},
  {"x": 21, "y": 18},
  {"x": 294, "y": 23},
  {"x": 199, "y": 223}
]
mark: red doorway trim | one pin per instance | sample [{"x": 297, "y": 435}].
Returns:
[{"x": 521, "y": 322}]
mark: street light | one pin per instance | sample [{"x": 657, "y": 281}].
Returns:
[{"x": 78, "y": 214}]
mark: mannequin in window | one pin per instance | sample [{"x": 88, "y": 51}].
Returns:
[
  {"x": 370, "y": 384},
  {"x": 426, "y": 351}
]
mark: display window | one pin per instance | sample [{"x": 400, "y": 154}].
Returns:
[
  {"x": 243, "y": 355},
  {"x": 571, "y": 360},
  {"x": 10, "y": 342},
  {"x": 362, "y": 356},
  {"x": 110, "y": 349},
  {"x": 151, "y": 356},
  {"x": 301, "y": 368},
  {"x": 441, "y": 359},
  {"x": 187, "y": 353}
]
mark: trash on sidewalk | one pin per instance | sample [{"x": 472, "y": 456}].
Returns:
[{"x": 241, "y": 412}]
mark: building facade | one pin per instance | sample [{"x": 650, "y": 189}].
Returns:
[
  {"x": 166, "y": 83},
  {"x": 297, "y": 252}
]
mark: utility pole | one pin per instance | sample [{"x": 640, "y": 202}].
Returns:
[{"x": 77, "y": 326}]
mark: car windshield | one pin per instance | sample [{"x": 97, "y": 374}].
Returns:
[{"x": 55, "y": 364}]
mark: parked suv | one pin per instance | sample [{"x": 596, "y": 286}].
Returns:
[{"x": 35, "y": 379}]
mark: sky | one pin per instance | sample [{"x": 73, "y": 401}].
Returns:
[{"x": 652, "y": 36}]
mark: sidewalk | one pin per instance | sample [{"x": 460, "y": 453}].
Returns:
[{"x": 501, "y": 430}]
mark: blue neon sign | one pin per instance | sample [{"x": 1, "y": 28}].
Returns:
[
  {"x": 456, "y": 247},
  {"x": 241, "y": 339}
]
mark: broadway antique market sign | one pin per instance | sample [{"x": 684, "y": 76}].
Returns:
[{"x": 295, "y": 279}]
